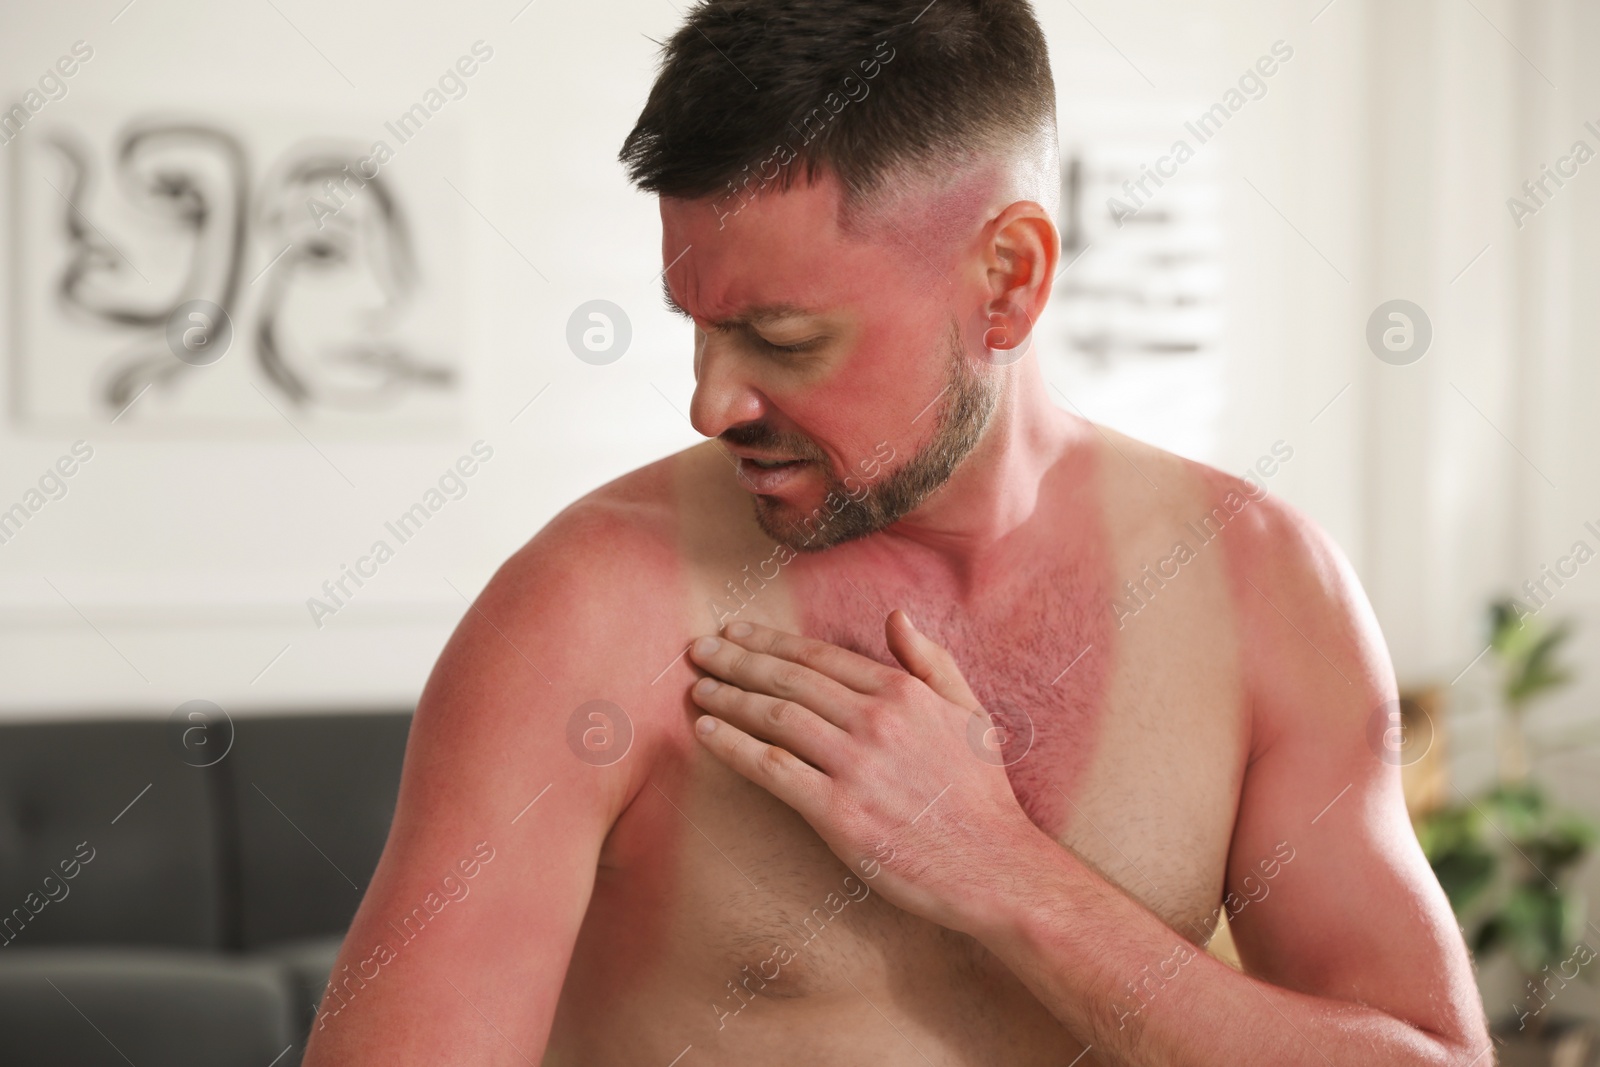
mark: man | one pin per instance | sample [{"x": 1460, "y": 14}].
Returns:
[{"x": 1012, "y": 709}]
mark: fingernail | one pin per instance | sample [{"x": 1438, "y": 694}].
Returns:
[
  {"x": 740, "y": 629},
  {"x": 704, "y": 725},
  {"x": 706, "y": 686},
  {"x": 705, "y": 646}
]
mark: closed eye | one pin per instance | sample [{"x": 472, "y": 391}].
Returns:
[
  {"x": 788, "y": 350},
  {"x": 671, "y": 304}
]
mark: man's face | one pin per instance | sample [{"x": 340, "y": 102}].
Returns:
[{"x": 828, "y": 350}]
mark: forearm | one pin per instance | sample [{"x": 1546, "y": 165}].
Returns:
[{"x": 1118, "y": 977}]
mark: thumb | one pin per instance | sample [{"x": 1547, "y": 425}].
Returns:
[{"x": 926, "y": 660}]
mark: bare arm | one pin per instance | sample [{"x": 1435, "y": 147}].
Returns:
[{"x": 461, "y": 943}]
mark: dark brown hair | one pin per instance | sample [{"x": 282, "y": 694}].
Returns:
[{"x": 756, "y": 93}]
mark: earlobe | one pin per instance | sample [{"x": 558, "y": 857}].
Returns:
[{"x": 1004, "y": 331}]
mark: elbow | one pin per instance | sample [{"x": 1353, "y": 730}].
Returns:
[{"x": 1467, "y": 1047}]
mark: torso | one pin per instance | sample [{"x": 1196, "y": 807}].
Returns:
[{"x": 722, "y": 929}]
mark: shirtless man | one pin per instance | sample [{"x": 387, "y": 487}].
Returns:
[{"x": 1012, "y": 708}]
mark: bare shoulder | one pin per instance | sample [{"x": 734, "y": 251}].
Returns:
[
  {"x": 503, "y": 759},
  {"x": 609, "y": 546},
  {"x": 1145, "y": 485},
  {"x": 1270, "y": 541},
  {"x": 585, "y": 615},
  {"x": 1312, "y": 653},
  {"x": 1304, "y": 623},
  {"x": 1315, "y": 649}
]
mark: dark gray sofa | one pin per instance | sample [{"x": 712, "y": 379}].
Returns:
[{"x": 157, "y": 912}]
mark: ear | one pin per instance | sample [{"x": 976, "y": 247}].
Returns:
[
  {"x": 927, "y": 661},
  {"x": 1020, "y": 260}
]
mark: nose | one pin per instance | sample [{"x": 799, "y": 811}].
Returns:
[{"x": 723, "y": 394}]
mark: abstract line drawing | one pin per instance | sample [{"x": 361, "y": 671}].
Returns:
[
  {"x": 368, "y": 242},
  {"x": 193, "y": 177},
  {"x": 324, "y": 304}
]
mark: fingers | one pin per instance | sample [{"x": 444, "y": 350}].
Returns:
[
  {"x": 926, "y": 660},
  {"x": 865, "y": 676},
  {"x": 779, "y": 772},
  {"x": 758, "y": 672},
  {"x": 786, "y": 723}
]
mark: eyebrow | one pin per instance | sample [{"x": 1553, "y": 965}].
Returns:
[{"x": 761, "y": 315}]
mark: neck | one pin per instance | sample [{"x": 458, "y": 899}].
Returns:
[{"x": 996, "y": 488}]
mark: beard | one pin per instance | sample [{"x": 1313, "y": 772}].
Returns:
[{"x": 966, "y": 405}]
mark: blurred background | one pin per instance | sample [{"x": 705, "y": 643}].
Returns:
[{"x": 232, "y": 371}]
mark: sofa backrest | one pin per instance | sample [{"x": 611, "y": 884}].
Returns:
[
  {"x": 313, "y": 796},
  {"x": 274, "y": 841},
  {"x": 113, "y": 805}
]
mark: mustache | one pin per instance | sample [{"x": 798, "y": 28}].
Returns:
[{"x": 759, "y": 435}]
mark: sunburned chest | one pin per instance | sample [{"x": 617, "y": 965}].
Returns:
[
  {"x": 1038, "y": 650},
  {"x": 1123, "y": 765},
  {"x": 1124, "y": 743}
]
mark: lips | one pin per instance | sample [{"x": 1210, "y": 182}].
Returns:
[{"x": 768, "y": 479}]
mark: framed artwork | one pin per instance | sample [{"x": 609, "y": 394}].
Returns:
[{"x": 210, "y": 274}]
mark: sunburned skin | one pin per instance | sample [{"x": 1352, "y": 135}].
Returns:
[
  {"x": 662, "y": 908},
  {"x": 1032, "y": 614},
  {"x": 754, "y": 969}
]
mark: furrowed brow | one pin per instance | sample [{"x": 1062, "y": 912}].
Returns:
[{"x": 762, "y": 315}]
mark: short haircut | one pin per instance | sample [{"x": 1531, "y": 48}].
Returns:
[{"x": 746, "y": 87}]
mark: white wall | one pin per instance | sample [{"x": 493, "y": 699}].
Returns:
[{"x": 1376, "y": 166}]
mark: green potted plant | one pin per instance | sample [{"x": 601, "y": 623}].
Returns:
[{"x": 1502, "y": 857}]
